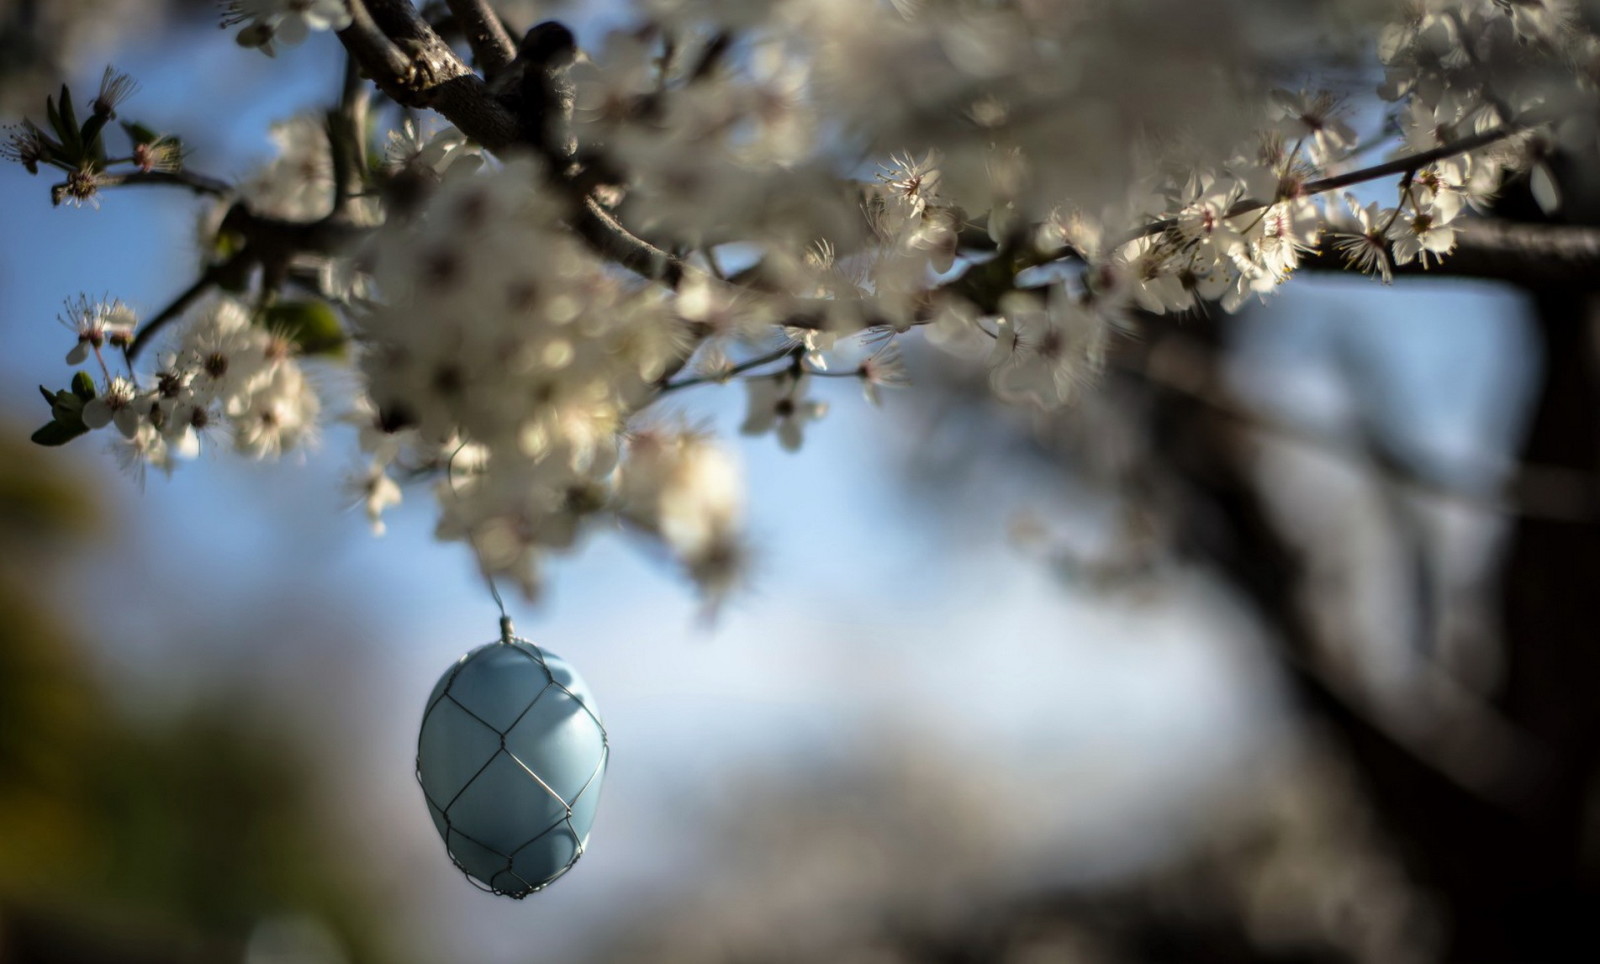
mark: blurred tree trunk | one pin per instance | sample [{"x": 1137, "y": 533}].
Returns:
[
  {"x": 1509, "y": 868},
  {"x": 1539, "y": 882}
]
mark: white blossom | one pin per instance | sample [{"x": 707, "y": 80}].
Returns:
[
  {"x": 685, "y": 488},
  {"x": 778, "y": 402},
  {"x": 1363, "y": 237},
  {"x": 289, "y": 22},
  {"x": 97, "y": 324},
  {"x": 1046, "y": 351},
  {"x": 298, "y": 184},
  {"x": 376, "y": 492},
  {"x": 120, "y": 403},
  {"x": 1318, "y": 117}
]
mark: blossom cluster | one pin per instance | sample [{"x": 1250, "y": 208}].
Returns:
[
  {"x": 79, "y": 150},
  {"x": 1223, "y": 234},
  {"x": 505, "y": 351},
  {"x": 825, "y": 177},
  {"x": 224, "y": 373}
]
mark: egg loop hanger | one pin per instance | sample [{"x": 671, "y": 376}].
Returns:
[{"x": 507, "y": 633}]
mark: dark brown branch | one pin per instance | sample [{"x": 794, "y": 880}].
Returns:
[
  {"x": 198, "y": 183},
  {"x": 491, "y": 45},
  {"x": 381, "y": 59},
  {"x": 269, "y": 243},
  {"x": 1412, "y": 162},
  {"x": 412, "y": 64},
  {"x": 1532, "y": 491},
  {"x": 1201, "y": 475},
  {"x": 608, "y": 237},
  {"x": 1534, "y": 255}
]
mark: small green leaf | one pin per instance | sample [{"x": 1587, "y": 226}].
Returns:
[
  {"x": 225, "y": 245},
  {"x": 138, "y": 133},
  {"x": 66, "y": 406},
  {"x": 59, "y": 433},
  {"x": 91, "y": 136},
  {"x": 69, "y": 117},
  {"x": 312, "y": 325},
  {"x": 52, "y": 115},
  {"x": 71, "y": 136}
]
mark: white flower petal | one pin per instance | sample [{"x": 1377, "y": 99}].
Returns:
[
  {"x": 127, "y": 421},
  {"x": 97, "y": 412}
]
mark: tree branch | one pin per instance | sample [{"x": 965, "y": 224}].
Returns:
[
  {"x": 777, "y": 354},
  {"x": 1200, "y": 467},
  {"x": 491, "y": 45},
  {"x": 609, "y": 238},
  {"x": 1530, "y": 491},
  {"x": 270, "y": 243},
  {"x": 1400, "y": 165},
  {"x": 381, "y": 59},
  {"x": 412, "y": 64},
  {"x": 180, "y": 304},
  {"x": 198, "y": 183},
  {"x": 1533, "y": 255}
]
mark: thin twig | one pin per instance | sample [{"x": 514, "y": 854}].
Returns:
[
  {"x": 181, "y": 304},
  {"x": 198, "y": 183},
  {"x": 1400, "y": 165},
  {"x": 778, "y": 354}
]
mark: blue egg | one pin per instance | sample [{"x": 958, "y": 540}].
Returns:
[{"x": 511, "y": 757}]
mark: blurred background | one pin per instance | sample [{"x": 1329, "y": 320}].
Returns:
[{"x": 1280, "y": 647}]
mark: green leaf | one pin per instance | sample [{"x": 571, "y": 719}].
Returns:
[
  {"x": 52, "y": 115},
  {"x": 91, "y": 136},
  {"x": 138, "y": 133},
  {"x": 66, "y": 411},
  {"x": 71, "y": 137},
  {"x": 59, "y": 433},
  {"x": 69, "y": 117},
  {"x": 66, "y": 406},
  {"x": 312, "y": 325}
]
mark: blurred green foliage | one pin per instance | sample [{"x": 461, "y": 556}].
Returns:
[{"x": 135, "y": 841}]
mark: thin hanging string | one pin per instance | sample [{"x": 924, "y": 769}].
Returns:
[{"x": 505, "y": 620}]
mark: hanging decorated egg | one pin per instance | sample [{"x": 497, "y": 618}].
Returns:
[{"x": 510, "y": 758}]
